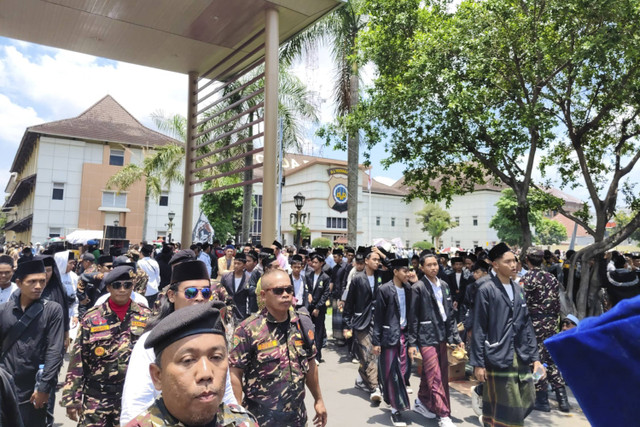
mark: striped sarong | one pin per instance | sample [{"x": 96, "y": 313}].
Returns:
[
  {"x": 508, "y": 395},
  {"x": 434, "y": 382},
  {"x": 391, "y": 377}
]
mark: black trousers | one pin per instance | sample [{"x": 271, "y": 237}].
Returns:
[
  {"x": 320, "y": 332},
  {"x": 32, "y": 417}
]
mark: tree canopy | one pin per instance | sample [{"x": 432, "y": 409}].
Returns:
[{"x": 435, "y": 221}]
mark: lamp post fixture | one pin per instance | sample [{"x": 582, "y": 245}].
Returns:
[
  {"x": 298, "y": 219},
  {"x": 171, "y": 215}
]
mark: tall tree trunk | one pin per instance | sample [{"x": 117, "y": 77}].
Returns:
[
  {"x": 522, "y": 213},
  {"x": 353, "y": 159},
  {"x": 247, "y": 199}
]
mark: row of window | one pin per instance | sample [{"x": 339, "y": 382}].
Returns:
[
  {"x": 393, "y": 221},
  {"x": 109, "y": 198},
  {"x": 340, "y": 223},
  {"x": 474, "y": 220}
]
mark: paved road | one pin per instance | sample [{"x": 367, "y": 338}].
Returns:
[{"x": 347, "y": 406}]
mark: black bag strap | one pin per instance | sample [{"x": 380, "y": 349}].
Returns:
[
  {"x": 306, "y": 327},
  {"x": 19, "y": 327}
]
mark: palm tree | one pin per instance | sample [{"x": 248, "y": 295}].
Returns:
[{"x": 339, "y": 29}]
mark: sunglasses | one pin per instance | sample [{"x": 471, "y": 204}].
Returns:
[
  {"x": 118, "y": 285},
  {"x": 192, "y": 292},
  {"x": 280, "y": 291}
]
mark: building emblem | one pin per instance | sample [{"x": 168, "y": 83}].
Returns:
[{"x": 338, "y": 194}]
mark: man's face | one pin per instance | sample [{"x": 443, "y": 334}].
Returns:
[
  {"x": 250, "y": 264},
  {"x": 350, "y": 257},
  {"x": 430, "y": 268},
  {"x": 373, "y": 261},
  {"x": 401, "y": 274},
  {"x": 412, "y": 277},
  {"x": 359, "y": 266},
  {"x": 275, "y": 303},
  {"x": 415, "y": 263},
  {"x": 49, "y": 272},
  {"x": 478, "y": 274},
  {"x": 86, "y": 264},
  {"x": 105, "y": 268},
  {"x": 246, "y": 249},
  {"x": 337, "y": 259},
  {"x": 6, "y": 271},
  {"x": 71, "y": 264},
  {"x": 316, "y": 264},
  {"x": 468, "y": 263},
  {"x": 192, "y": 377},
  {"x": 506, "y": 265},
  {"x": 296, "y": 268},
  {"x": 122, "y": 295},
  {"x": 32, "y": 285},
  {"x": 180, "y": 300},
  {"x": 229, "y": 253},
  {"x": 276, "y": 250},
  {"x": 238, "y": 266},
  {"x": 457, "y": 267}
]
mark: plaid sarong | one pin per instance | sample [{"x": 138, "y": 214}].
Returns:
[
  {"x": 508, "y": 395},
  {"x": 391, "y": 377}
]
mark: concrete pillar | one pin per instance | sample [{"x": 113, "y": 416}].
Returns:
[
  {"x": 187, "y": 203},
  {"x": 269, "y": 186}
]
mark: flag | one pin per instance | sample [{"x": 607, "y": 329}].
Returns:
[
  {"x": 370, "y": 180},
  {"x": 202, "y": 232}
]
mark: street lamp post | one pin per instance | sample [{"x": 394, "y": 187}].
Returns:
[
  {"x": 172, "y": 215},
  {"x": 298, "y": 219}
]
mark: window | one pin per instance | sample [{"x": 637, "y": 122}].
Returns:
[
  {"x": 58, "y": 191},
  {"x": 407, "y": 244},
  {"x": 475, "y": 243},
  {"x": 406, "y": 223},
  {"x": 377, "y": 220},
  {"x": 110, "y": 199},
  {"x": 256, "y": 226},
  {"x": 55, "y": 231},
  {"x": 457, "y": 243},
  {"x": 456, "y": 220},
  {"x": 475, "y": 221},
  {"x": 116, "y": 157},
  {"x": 393, "y": 222},
  {"x": 164, "y": 198},
  {"x": 333, "y": 222}
]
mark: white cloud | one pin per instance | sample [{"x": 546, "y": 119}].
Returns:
[{"x": 15, "y": 119}]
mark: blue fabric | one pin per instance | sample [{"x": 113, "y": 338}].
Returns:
[{"x": 600, "y": 361}]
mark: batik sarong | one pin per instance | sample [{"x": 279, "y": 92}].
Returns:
[
  {"x": 434, "y": 382},
  {"x": 391, "y": 378},
  {"x": 368, "y": 361},
  {"x": 508, "y": 395}
]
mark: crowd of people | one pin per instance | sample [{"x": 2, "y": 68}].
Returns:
[{"x": 233, "y": 335}]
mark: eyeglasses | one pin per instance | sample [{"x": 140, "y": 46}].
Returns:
[
  {"x": 280, "y": 291},
  {"x": 118, "y": 285},
  {"x": 109, "y": 266},
  {"x": 192, "y": 292}
]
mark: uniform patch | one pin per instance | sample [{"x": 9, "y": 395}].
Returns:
[
  {"x": 141, "y": 324},
  {"x": 99, "y": 351},
  {"x": 298, "y": 342},
  {"x": 99, "y": 321},
  {"x": 100, "y": 328},
  {"x": 311, "y": 335},
  {"x": 267, "y": 345}
]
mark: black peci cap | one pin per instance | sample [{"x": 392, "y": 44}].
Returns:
[
  {"x": 122, "y": 272},
  {"x": 399, "y": 263},
  {"x": 498, "y": 250},
  {"x": 189, "y": 270},
  {"x": 29, "y": 267}
]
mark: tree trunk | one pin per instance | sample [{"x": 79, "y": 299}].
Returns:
[
  {"x": 247, "y": 199},
  {"x": 145, "y": 220},
  {"x": 353, "y": 159},
  {"x": 522, "y": 213},
  {"x": 583, "y": 290}
]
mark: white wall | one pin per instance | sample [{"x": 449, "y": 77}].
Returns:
[{"x": 480, "y": 204}]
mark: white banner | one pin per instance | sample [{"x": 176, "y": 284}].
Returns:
[{"x": 202, "y": 232}]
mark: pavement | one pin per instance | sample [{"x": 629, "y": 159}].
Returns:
[{"x": 348, "y": 406}]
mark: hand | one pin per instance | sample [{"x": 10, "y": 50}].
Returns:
[
  {"x": 73, "y": 413},
  {"x": 310, "y": 298},
  {"x": 39, "y": 399},
  {"x": 455, "y": 305},
  {"x": 74, "y": 322},
  {"x": 413, "y": 352},
  {"x": 315, "y": 312},
  {"x": 461, "y": 345},
  {"x": 67, "y": 341},
  {"x": 537, "y": 365},
  {"x": 480, "y": 374},
  {"x": 320, "y": 420},
  {"x": 340, "y": 305},
  {"x": 376, "y": 350}
]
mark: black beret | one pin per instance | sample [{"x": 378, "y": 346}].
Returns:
[
  {"x": 48, "y": 260},
  {"x": 29, "y": 267},
  {"x": 6, "y": 259},
  {"x": 87, "y": 256},
  {"x": 480, "y": 265},
  {"x": 189, "y": 270},
  {"x": 192, "y": 320},
  {"x": 349, "y": 250},
  {"x": 319, "y": 257},
  {"x": 267, "y": 251},
  {"x": 303, "y": 252},
  {"x": 498, "y": 250},
  {"x": 322, "y": 251},
  {"x": 399, "y": 263},
  {"x": 240, "y": 256},
  {"x": 268, "y": 260},
  {"x": 456, "y": 259},
  {"x": 104, "y": 259},
  {"x": 445, "y": 256},
  {"x": 338, "y": 251},
  {"x": 253, "y": 254},
  {"x": 122, "y": 272},
  {"x": 182, "y": 256},
  {"x": 277, "y": 244},
  {"x": 123, "y": 260},
  {"x": 296, "y": 258}
]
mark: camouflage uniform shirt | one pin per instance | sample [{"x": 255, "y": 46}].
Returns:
[
  {"x": 274, "y": 358},
  {"x": 100, "y": 356},
  {"x": 227, "y": 416}
]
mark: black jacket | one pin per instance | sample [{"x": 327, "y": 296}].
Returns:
[
  {"x": 358, "y": 307},
  {"x": 386, "y": 326},
  {"x": 240, "y": 298},
  {"x": 458, "y": 292},
  {"x": 319, "y": 292},
  {"x": 9, "y": 412},
  {"x": 470, "y": 299},
  {"x": 337, "y": 279},
  {"x": 426, "y": 326},
  {"x": 501, "y": 327},
  {"x": 40, "y": 343},
  {"x": 305, "y": 293}
]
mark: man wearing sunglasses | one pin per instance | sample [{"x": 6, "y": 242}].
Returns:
[
  {"x": 99, "y": 357},
  {"x": 275, "y": 353}
]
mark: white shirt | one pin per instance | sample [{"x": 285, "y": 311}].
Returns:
[
  {"x": 371, "y": 279},
  {"x": 458, "y": 276},
  {"x": 204, "y": 257},
  {"x": 6, "y": 293},
  {"x": 139, "y": 393},
  {"x": 151, "y": 267},
  {"x": 70, "y": 282},
  {"x": 402, "y": 299},
  {"x": 136, "y": 297},
  {"x": 509, "y": 290},
  {"x": 437, "y": 291},
  {"x": 315, "y": 279},
  {"x": 236, "y": 283},
  {"x": 298, "y": 288}
]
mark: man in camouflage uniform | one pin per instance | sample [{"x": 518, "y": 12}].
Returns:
[
  {"x": 100, "y": 354},
  {"x": 543, "y": 302},
  {"x": 273, "y": 356},
  {"x": 192, "y": 391}
]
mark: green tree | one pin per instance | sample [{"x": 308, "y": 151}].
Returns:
[
  {"x": 321, "y": 242},
  {"x": 340, "y": 30},
  {"x": 622, "y": 219},
  {"x": 435, "y": 221},
  {"x": 422, "y": 245},
  {"x": 224, "y": 210},
  {"x": 479, "y": 93},
  {"x": 550, "y": 232}
]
